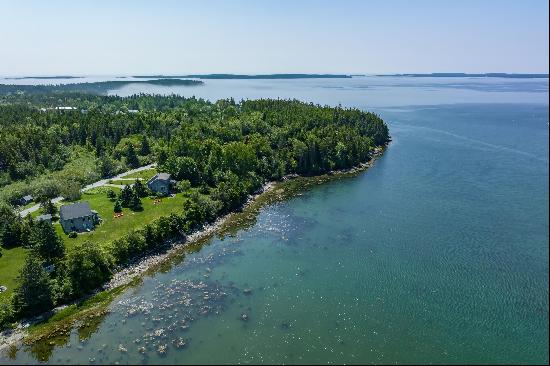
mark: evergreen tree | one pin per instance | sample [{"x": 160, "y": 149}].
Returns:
[
  {"x": 118, "y": 206},
  {"x": 139, "y": 188},
  {"x": 162, "y": 157},
  {"x": 111, "y": 194},
  {"x": 135, "y": 202},
  {"x": 106, "y": 166},
  {"x": 126, "y": 196},
  {"x": 131, "y": 156},
  {"x": 46, "y": 243},
  {"x": 145, "y": 148},
  {"x": 33, "y": 295}
]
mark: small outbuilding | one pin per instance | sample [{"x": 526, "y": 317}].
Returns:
[
  {"x": 78, "y": 217},
  {"x": 47, "y": 218},
  {"x": 161, "y": 183},
  {"x": 25, "y": 200}
]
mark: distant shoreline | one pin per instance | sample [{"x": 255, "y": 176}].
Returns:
[
  {"x": 98, "y": 88},
  {"x": 43, "y": 77},
  {"x": 241, "y": 76},
  {"x": 462, "y": 75}
]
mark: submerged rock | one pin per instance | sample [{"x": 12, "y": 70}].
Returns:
[
  {"x": 179, "y": 342},
  {"x": 244, "y": 317},
  {"x": 161, "y": 349},
  {"x": 285, "y": 325}
]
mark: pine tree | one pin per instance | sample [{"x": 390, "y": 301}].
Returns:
[
  {"x": 139, "y": 189},
  {"x": 111, "y": 194},
  {"x": 46, "y": 243},
  {"x": 145, "y": 147},
  {"x": 126, "y": 196},
  {"x": 135, "y": 202},
  {"x": 118, "y": 206},
  {"x": 131, "y": 156},
  {"x": 34, "y": 293}
]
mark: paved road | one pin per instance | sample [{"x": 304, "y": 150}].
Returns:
[{"x": 99, "y": 183}]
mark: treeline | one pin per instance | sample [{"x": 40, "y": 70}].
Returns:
[{"x": 270, "y": 137}]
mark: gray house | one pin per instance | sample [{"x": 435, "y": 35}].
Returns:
[
  {"x": 161, "y": 183},
  {"x": 78, "y": 217}
]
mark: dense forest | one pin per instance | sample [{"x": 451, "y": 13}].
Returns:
[{"x": 219, "y": 153}]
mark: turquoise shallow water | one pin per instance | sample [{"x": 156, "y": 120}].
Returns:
[{"x": 437, "y": 254}]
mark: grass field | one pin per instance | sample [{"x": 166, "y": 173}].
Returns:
[
  {"x": 110, "y": 229},
  {"x": 10, "y": 262},
  {"x": 113, "y": 228}
]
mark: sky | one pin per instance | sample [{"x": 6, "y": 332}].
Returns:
[{"x": 129, "y": 37}]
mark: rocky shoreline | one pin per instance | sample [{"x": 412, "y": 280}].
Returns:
[
  {"x": 138, "y": 267},
  {"x": 143, "y": 264},
  {"x": 134, "y": 270}
]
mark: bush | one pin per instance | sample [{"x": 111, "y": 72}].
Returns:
[
  {"x": 6, "y": 315},
  {"x": 73, "y": 234},
  {"x": 71, "y": 190},
  {"x": 111, "y": 194},
  {"x": 183, "y": 185}
]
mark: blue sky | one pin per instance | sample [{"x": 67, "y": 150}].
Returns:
[{"x": 258, "y": 36}]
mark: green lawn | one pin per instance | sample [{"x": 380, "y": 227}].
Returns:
[
  {"x": 113, "y": 228},
  {"x": 10, "y": 262},
  {"x": 145, "y": 174},
  {"x": 109, "y": 230}
]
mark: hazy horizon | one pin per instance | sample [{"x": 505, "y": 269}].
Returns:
[
  {"x": 186, "y": 74},
  {"x": 61, "y": 37}
]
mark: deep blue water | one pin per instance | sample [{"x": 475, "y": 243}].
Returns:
[{"x": 437, "y": 254}]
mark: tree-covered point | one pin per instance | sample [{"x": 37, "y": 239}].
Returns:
[
  {"x": 191, "y": 138},
  {"x": 219, "y": 153}
]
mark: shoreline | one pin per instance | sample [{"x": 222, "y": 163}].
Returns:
[{"x": 138, "y": 267}]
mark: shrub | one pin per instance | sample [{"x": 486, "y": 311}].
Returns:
[
  {"x": 111, "y": 194},
  {"x": 73, "y": 234}
]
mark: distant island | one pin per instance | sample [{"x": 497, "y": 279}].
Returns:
[
  {"x": 484, "y": 75},
  {"x": 44, "y": 77},
  {"x": 99, "y": 88},
  {"x": 237, "y": 76}
]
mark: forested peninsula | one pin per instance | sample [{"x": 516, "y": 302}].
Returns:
[
  {"x": 99, "y": 87},
  {"x": 216, "y": 153}
]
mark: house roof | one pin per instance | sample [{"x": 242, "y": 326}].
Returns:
[
  {"x": 27, "y": 197},
  {"x": 44, "y": 217},
  {"x": 79, "y": 209},
  {"x": 160, "y": 176}
]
